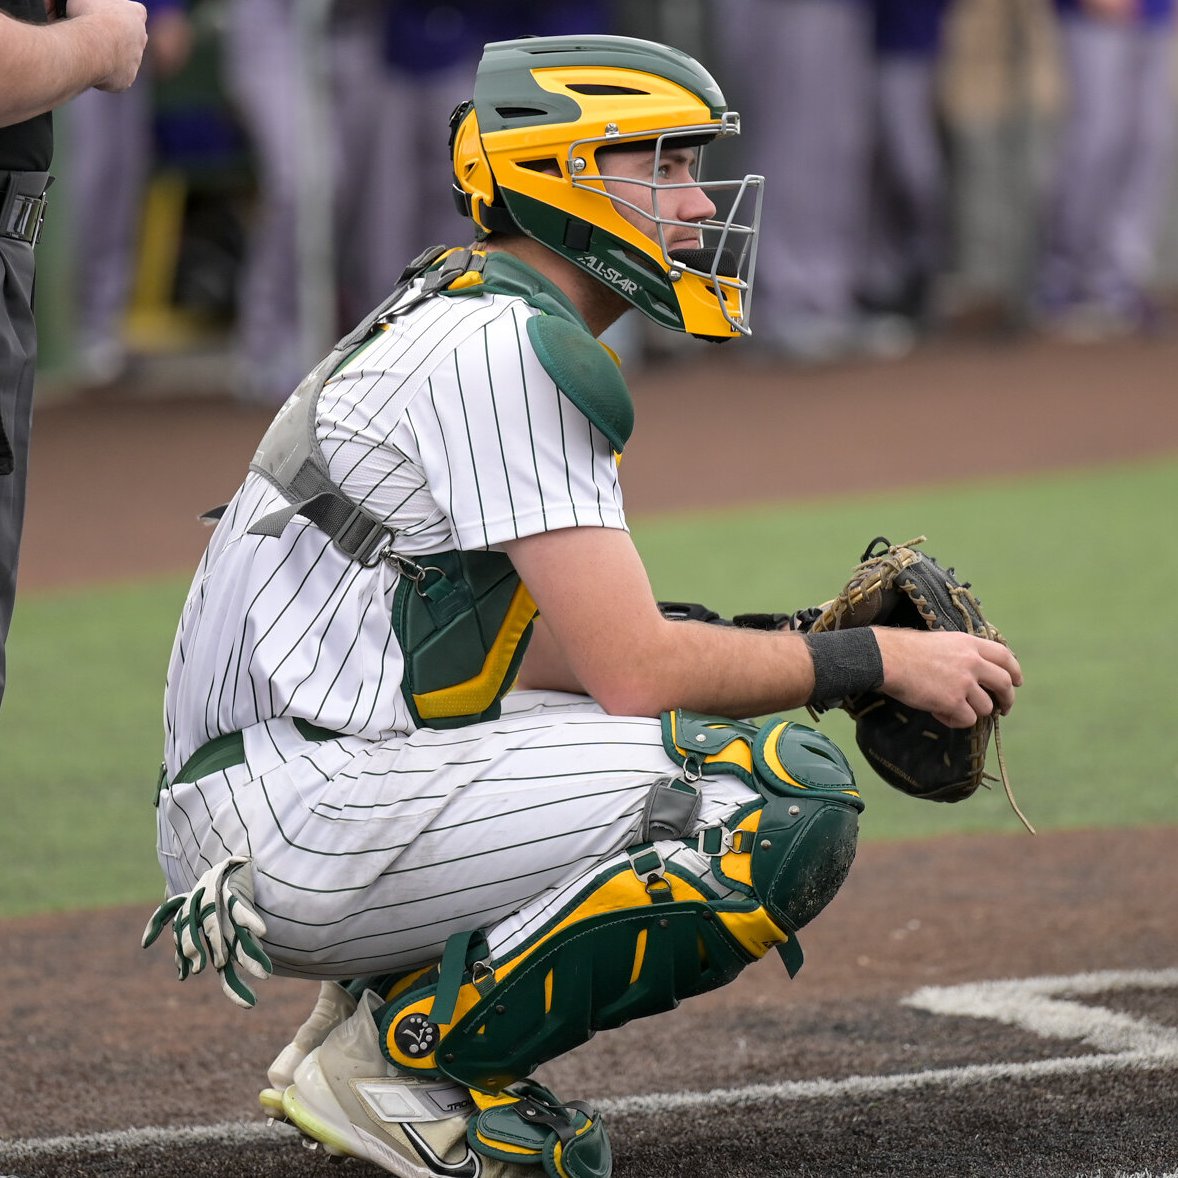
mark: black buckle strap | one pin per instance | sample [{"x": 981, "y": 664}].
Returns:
[
  {"x": 457, "y": 264},
  {"x": 22, "y": 214}
]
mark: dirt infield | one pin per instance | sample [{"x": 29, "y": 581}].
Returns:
[{"x": 832, "y": 1073}]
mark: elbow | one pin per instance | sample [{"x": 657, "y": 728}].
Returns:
[{"x": 634, "y": 691}]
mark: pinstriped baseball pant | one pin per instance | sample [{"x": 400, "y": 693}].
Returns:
[{"x": 368, "y": 856}]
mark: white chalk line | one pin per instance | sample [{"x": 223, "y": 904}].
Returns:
[{"x": 1145, "y": 1046}]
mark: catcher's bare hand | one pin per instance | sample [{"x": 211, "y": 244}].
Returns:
[{"x": 957, "y": 677}]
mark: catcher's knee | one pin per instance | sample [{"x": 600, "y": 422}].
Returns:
[
  {"x": 778, "y": 758},
  {"x": 650, "y": 929}
]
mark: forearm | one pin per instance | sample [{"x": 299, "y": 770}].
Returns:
[
  {"x": 42, "y": 66},
  {"x": 705, "y": 668},
  {"x": 719, "y": 670}
]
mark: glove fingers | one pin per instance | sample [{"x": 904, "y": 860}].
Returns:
[
  {"x": 243, "y": 916},
  {"x": 235, "y": 989},
  {"x": 187, "y": 931},
  {"x": 216, "y": 921},
  {"x": 210, "y": 923},
  {"x": 160, "y": 919},
  {"x": 251, "y": 956}
]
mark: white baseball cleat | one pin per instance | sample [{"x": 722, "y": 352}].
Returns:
[
  {"x": 346, "y": 1096},
  {"x": 333, "y": 1007}
]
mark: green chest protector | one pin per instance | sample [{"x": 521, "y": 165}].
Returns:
[{"x": 463, "y": 619}]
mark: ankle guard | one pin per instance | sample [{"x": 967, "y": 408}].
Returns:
[
  {"x": 528, "y": 1125},
  {"x": 646, "y": 932}
]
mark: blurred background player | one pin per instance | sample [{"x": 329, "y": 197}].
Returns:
[
  {"x": 807, "y": 70},
  {"x": 111, "y": 144},
  {"x": 276, "y": 66},
  {"x": 1114, "y": 167},
  {"x": 389, "y": 71},
  {"x": 908, "y": 220},
  {"x": 432, "y": 49}
]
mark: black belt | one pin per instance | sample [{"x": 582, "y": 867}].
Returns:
[{"x": 23, "y": 204}]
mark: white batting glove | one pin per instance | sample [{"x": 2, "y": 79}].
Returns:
[{"x": 219, "y": 908}]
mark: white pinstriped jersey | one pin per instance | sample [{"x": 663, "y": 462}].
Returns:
[
  {"x": 370, "y": 849},
  {"x": 447, "y": 427}
]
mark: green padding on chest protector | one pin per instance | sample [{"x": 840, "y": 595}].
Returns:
[
  {"x": 586, "y": 374},
  {"x": 579, "y": 365},
  {"x": 463, "y": 633}
]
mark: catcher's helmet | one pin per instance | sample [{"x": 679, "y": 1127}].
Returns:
[{"x": 531, "y": 155}]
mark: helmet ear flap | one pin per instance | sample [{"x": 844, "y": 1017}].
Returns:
[{"x": 474, "y": 182}]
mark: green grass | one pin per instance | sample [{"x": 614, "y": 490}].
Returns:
[
  {"x": 80, "y": 746},
  {"x": 1073, "y": 568},
  {"x": 1077, "y": 571}
]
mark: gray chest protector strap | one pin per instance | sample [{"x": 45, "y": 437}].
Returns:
[{"x": 290, "y": 456}]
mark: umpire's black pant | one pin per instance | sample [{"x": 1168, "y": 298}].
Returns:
[{"x": 18, "y": 357}]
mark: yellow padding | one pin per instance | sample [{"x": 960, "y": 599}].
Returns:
[
  {"x": 558, "y": 1151},
  {"x": 623, "y": 890},
  {"x": 486, "y": 1100},
  {"x": 476, "y": 694},
  {"x": 754, "y": 930},
  {"x": 774, "y": 761},
  {"x": 468, "y": 997},
  {"x": 406, "y": 983},
  {"x": 470, "y": 278},
  {"x": 738, "y": 865},
  {"x": 507, "y": 1146},
  {"x": 639, "y": 956}
]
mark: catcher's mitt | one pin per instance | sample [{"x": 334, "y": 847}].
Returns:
[{"x": 897, "y": 585}]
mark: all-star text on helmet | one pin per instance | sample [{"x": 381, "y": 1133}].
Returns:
[{"x": 532, "y": 155}]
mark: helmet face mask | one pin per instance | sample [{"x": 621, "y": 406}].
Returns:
[
  {"x": 719, "y": 250},
  {"x": 540, "y": 151}
]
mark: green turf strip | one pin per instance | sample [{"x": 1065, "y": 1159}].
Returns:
[{"x": 1075, "y": 569}]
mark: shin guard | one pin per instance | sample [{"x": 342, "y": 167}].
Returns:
[{"x": 657, "y": 925}]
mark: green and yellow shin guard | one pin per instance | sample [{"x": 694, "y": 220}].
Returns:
[{"x": 648, "y": 930}]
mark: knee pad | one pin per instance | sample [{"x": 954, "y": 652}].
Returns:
[
  {"x": 638, "y": 937},
  {"x": 778, "y": 758}
]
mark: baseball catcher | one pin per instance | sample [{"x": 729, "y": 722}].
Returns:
[{"x": 430, "y": 740}]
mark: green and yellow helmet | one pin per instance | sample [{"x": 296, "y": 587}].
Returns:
[{"x": 531, "y": 155}]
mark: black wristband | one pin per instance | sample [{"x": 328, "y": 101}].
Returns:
[{"x": 846, "y": 662}]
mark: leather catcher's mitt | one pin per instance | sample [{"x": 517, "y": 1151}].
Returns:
[{"x": 898, "y": 585}]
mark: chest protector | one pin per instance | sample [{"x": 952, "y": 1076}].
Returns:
[{"x": 463, "y": 619}]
